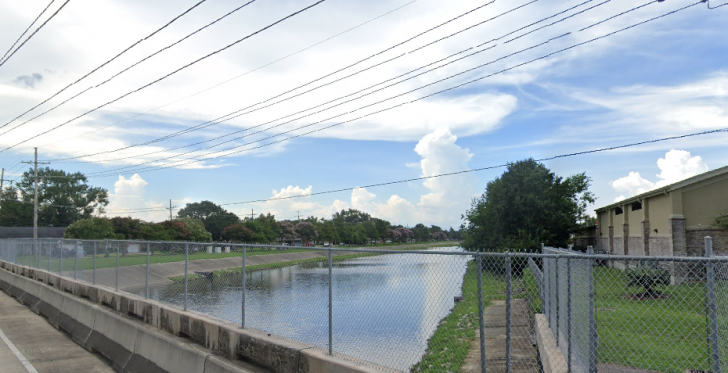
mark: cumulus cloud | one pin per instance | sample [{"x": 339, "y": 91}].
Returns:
[
  {"x": 448, "y": 196},
  {"x": 128, "y": 198},
  {"x": 677, "y": 165}
]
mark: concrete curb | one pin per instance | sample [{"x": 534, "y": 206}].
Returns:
[
  {"x": 117, "y": 326},
  {"x": 552, "y": 359}
]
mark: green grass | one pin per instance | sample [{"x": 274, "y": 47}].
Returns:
[
  {"x": 137, "y": 259},
  {"x": 448, "y": 347},
  {"x": 260, "y": 267},
  {"x": 666, "y": 335},
  {"x": 531, "y": 289}
]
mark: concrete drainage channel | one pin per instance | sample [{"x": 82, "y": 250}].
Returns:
[{"x": 140, "y": 335}]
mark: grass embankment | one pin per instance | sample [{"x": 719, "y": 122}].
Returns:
[
  {"x": 165, "y": 257},
  {"x": 260, "y": 267},
  {"x": 137, "y": 259},
  {"x": 666, "y": 335},
  {"x": 448, "y": 347},
  {"x": 335, "y": 258}
]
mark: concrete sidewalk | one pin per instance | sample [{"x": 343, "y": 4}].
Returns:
[
  {"x": 524, "y": 357},
  {"x": 46, "y": 349}
]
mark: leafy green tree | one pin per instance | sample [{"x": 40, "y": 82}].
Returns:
[
  {"x": 526, "y": 206},
  {"x": 382, "y": 226},
  {"x": 197, "y": 230},
  {"x": 214, "y": 217},
  {"x": 14, "y": 212},
  {"x": 154, "y": 232},
  {"x": 307, "y": 231},
  {"x": 371, "y": 230},
  {"x": 421, "y": 233},
  {"x": 57, "y": 189},
  {"x": 351, "y": 216},
  {"x": 91, "y": 229},
  {"x": 237, "y": 233},
  {"x": 329, "y": 232}
]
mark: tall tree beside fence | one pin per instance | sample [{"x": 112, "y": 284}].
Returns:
[{"x": 526, "y": 206}]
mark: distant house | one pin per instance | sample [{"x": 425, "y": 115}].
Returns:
[
  {"x": 584, "y": 237},
  {"x": 668, "y": 221}
]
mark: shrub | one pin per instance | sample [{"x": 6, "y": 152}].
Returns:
[
  {"x": 647, "y": 278},
  {"x": 91, "y": 229}
]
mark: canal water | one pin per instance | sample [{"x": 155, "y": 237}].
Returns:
[{"x": 385, "y": 308}]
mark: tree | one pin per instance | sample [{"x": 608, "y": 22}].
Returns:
[
  {"x": 128, "y": 228},
  {"x": 91, "y": 229},
  {"x": 307, "y": 231},
  {"x": 197, "y": 230},
  {"x": 237, "y": 233},
  {"x": 371, "y": 230},
  {"x": 14, "y": 212},
  {"x": 329, "y": 232},
  {"x": 421, "y": 233},
  {"x": 287, "y": 232},
  {"x": 58, "y": 189},
  {"x": 400, "y": 234},
  {"x": 214, "y": 217},
  {"x": 351, "y": 216},
  {"x": 526, "y": 206},
  {"x": 154, "y": 232},
  {"x": 382, "y": 226}
]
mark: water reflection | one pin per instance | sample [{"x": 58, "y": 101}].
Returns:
[{"x": 384, "y": 307}]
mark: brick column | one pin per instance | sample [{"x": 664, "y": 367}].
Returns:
[
  {"x": 678, "y": 239},
  {"x": 625, "y": 240},
  {"x": 611, "y": 239},
  {"x": 646, "y": 236}
]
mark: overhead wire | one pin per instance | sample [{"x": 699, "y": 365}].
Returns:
[
  {"x": 240, "y": 75},
  {"x": 197, "y": 159},
  {"x": 106, "y": 63},
  {"x": 130, "y": 66},
  {"x": 205, "y": 124},
  {"x": 27, "y": 29},
  {"x": 33, "y": 34},
  {"x": 167, "y": 75}
]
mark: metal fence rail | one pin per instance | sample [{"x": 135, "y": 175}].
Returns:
[{"x": 398, "y": 310}]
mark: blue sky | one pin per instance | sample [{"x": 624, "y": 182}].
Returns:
[{"x": 664, "y": 78}]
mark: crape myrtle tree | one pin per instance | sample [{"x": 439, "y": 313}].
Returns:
[
  {"x": 526, "y": 206},
  {"x": 306, "y": 231},
  {"x": 238, "y": 233}
]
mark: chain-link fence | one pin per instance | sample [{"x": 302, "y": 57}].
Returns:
[{"x": 426, "y": 310}]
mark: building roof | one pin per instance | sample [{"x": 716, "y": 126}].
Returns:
[{"x": 668, "y": 188}]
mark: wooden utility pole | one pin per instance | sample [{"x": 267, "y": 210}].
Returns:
[
  {"x": 252, "y": 214},
  {"x": 170, "y": 210},
  {"x": 2, "y": 180},
  {"x": 35, "y": 192}
]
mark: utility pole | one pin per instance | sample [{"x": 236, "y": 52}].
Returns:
[
  {"x": 252, "y": 214},
  {"x": 35, "y": 199},
  {"x": 2, "y": 180},
  {"x": 299, "y": 216},
  {"x": 170, "y": 210}
]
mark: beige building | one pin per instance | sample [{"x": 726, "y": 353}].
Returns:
[{"x": 669, "y": 221}]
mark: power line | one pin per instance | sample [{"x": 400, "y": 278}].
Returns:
[
  {"x": 27, "y": 29},
  {"x": 167, "y": 75},
  {"x": 241, "y": 75},
  {"x": 194, "y": 160},
  {"x": 34, "y": 32},
  {"x": 132, "y": 65},
  {"x": 102, "y": 65},
  {"x": 206, "y": 124},
  {"x": 714, "y": 7}
]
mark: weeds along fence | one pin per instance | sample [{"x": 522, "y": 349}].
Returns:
[{"x": 424, "y": 310}]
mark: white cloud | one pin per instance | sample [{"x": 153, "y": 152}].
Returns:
[
  {"x": 677, "y": 165},
  {"x": 447, "y": 199},
  {"x": 128, "y": 198}
]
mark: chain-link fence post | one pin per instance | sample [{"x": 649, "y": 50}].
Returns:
[
  {"x": 712, "y": 311},
  {"x": 49, "y": 257},
  {"x": 569, "y": 335},
  {"x": 331, "y": 304},
  {"x": 509, "y": 295},
  {"x": 75, "y": 259},
  {"x": 38, "y": 254},
  {"x": 558, "y": 303},
  {"x": 146, "y": 282},
  {"x": 479, "y": 264},
  {"x": 243, "y": 279},
  {"x": 187, "y": 253},
  {"x": 118, "y": 251},
  {"x": 60, "y": 254},
  {"x": 94, "y": 260},
  {"x": 592, "y": 319}
]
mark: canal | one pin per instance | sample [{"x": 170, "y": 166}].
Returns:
[{"x": 385, "y": 308}]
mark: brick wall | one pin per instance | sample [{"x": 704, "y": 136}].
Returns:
[
  {"x": 696, "y": 241},
  {"x": 618, "y": 246},
  {"x": 636, "y": 245},
  {"x": 660, "y": 246}
]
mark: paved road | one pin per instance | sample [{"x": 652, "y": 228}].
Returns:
[
  {"x": 134, "y": 277},
  {"x": 29, "y": 344}
]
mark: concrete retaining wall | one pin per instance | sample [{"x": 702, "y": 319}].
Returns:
[
  {"x": 140, "y": 335},
  {"x": 552, "y": 359}
]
